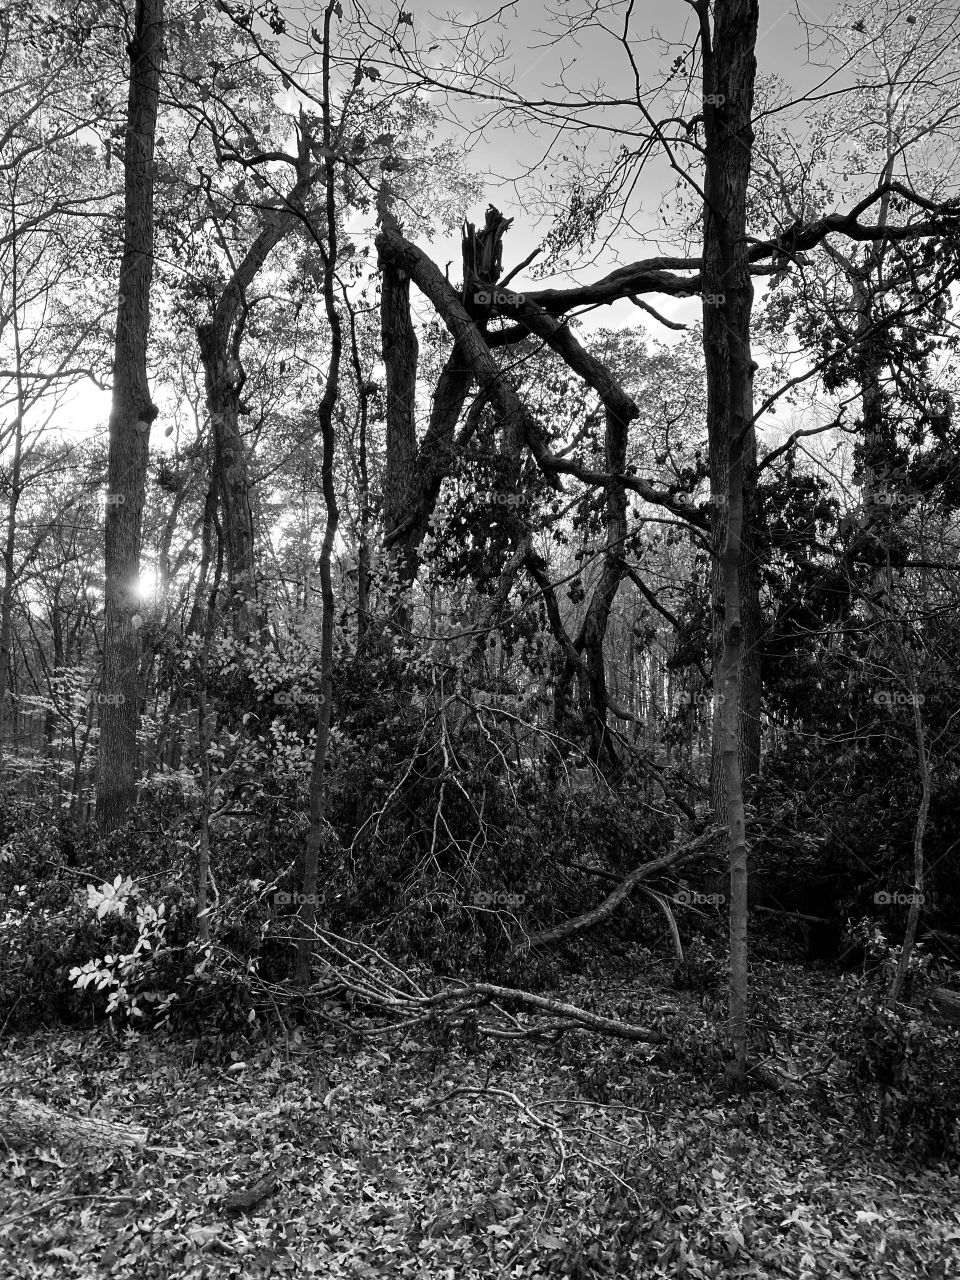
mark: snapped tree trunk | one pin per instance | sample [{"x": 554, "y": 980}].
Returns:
[{"x": 131, "y": 414}]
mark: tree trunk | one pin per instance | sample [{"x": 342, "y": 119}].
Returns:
[
  {"x": 926, "y": 780},
  {"x": 603, "y": 753},
  {"x": 131, "y": 414},
  {"x": 9, "y": 578},
  {"x": 220, "y": 342},
  {"x": 231, "y": 467},
  {"x": 401, "y": 352},
  {"x": 729, "y": 73},
  {"x": 728, "y": 85},
  {"x": 327, "y": 246}
]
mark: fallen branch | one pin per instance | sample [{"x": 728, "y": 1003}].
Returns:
[
  {"x": 594, "y": 1021},
  {"x": 795, "y": 915},
  {"x": 686, "y": 853},
  {"x": 664, "y": 906}
]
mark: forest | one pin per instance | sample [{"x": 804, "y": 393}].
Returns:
[{"x": 479, "y": 639}]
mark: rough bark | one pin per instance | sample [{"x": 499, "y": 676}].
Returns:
[
  {"x": 365, "y": 389},
  {"x": 414, "y": 475},
  {"x": 131, "y": 414}
]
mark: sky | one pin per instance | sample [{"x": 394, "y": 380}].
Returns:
[{"x": 534, "y": 65}]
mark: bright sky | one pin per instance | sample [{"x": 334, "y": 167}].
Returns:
[{"x": 535, "y": 65}]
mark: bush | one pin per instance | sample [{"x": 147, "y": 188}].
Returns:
[{"x": 902, "y": 1067}]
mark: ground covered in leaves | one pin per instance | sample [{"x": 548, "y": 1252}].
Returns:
[{"x": 415, "y": 1158}]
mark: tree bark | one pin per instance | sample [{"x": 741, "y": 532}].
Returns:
[{"x": 130, "y": 418}]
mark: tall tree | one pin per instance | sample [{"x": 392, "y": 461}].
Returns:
[
  {"x": 131, "y": 414},
  {"x": 729, "y": 75}
]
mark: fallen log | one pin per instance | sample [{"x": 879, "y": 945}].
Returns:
[
  {"x": 947, "y": 1004},
  {"x": 25, "y": 1122},
  {"x": 686, "y": 853}
]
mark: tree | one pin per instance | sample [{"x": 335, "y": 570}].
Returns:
[
  {"x": 50, "y": 185},
  {"x": 132, "y": 413}
]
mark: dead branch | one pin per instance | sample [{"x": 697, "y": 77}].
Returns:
[
  {"x": 686, "y": 853},
  {"x": 593, "y": 1021}
]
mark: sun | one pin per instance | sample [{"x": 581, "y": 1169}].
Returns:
[{"x": 148, "y": 583}]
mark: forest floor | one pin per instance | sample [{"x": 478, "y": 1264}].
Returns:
[{"x": 581, "y": 1159}]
